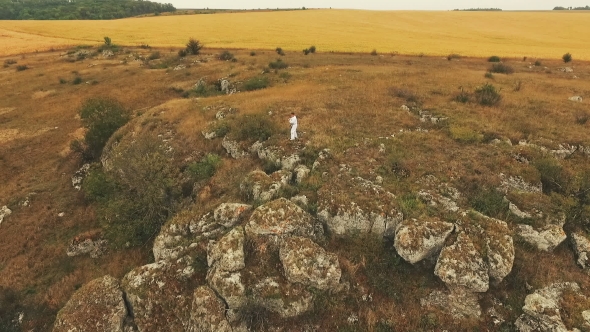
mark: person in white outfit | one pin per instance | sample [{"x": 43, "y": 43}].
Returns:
[{"x": 293, "y": 122}]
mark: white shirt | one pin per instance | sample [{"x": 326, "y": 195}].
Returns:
[{"x": 293, "y": 120}]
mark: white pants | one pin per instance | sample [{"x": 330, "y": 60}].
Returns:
[{"x": 293, "y": 132}]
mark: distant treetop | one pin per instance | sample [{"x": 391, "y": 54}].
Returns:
[{"x": 572, "y": 8}]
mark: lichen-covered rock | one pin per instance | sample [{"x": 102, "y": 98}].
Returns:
[
  {"x": 229, "y": 214},
  {"x": 289, "y": 162},
  {"x": 160, "y": 294},
  {"x": 233, "y": 149},
  {"x": 4, "y": 212},
  {"x": 416, "y": 240},
  {"x": 307, "y": 263},
  {"x": 229, "y": 285},
  {"x": 301, "y": 172},
  {"x": 282, "y": 218},
  {"x": 355, "y": 205},
  {"x": 96, "y": 306},
  {"x": 434, "y": 199},
  {"x": 227, "y": 254},
  {"x": 283, "y": 298},
  {"x": 79, "y": 176},
  {"x": 518, "y": 184},
  {"x": 542, "y": 309},
  {"x": 300, "y": 200},
  {"x": 499, "y": 248},
  {"x": 87, "y": 247},
  {"x": 169, "y": 243},
  {"x": 582, "y": 249},
  {"x": 546, "y": 239},
  {"x": 461, "y": 265},
  {"x": 260, "y": 187},
  {"x": 208, "y": 312},
  {"x": 458, "y": 302}
]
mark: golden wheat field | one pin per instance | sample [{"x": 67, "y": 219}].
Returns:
[{"x": 544, "y": 34}]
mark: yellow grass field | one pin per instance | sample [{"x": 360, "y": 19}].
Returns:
[{"x": 544, "y": 34}]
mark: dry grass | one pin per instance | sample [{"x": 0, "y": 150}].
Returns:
[
  {"x": 507, "y": 34},
  {"x": 343, "y": 102}
]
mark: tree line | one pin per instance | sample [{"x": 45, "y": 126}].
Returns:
[
  {"x": 79, "y": 9},
  {"x": 572, "y": 8}
]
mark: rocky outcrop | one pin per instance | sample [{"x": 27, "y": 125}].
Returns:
[
  {"x": 460, "y": 265},
  {"x": 208, "y": 312},
  {"x": 545, "y": 239},
  {"x": 229, "y": 214},
  {"x": 96, "y": 306},
  {"x": 233, "y": 149},
  {"x": 542, "y": 309},
  {"x": 275, "y": 155},
  {"x": 4, "y": 212},
  {"x": 259, "y": 186},
  {"x": 227, "y": 253},
  {"x": 581, "y": 246},
  {"x": 457, "y": 302},
  {"x": 160, "y": 294},
  {"x": 518, "y": 184},
  {"x": 229, "y": 285},
  {"x": 301, "y": 172},
  {"x": 499, "y": 248},
  {"x": 307, "y": 263},
  {"x": 283, "y": 298},
  {"x": 79, "y": 176},
  {"x": 355, "y": 205},
  {"x": 87, "y": 247},
  {"x": 416, "y": 240}
]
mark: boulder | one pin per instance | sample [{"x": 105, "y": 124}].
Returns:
[
  {"x": 458, "y": 302},
  {"x": 290, "y": 162},
  {"x": 355, "y": 205},
  {"x": 499, "y": 247},
  {"x": 416, "y": 240},
  {"x": 233, "y": 149},
  {"x": 227, "y": 254},
  {"x": 171, "y": 241},
  {"x": 207, "y": 312},
  {"x": 260, "y": 187},
  {"x": 301, "y": 172},
  {"x": 582, "y": 249},
  {"x": 229, "y": 214},
  {"x": 576, "y": 98},
  {"x": 307, "y": 263},
  {"x": 460, "y": 265},
  {"x": 96, "y": 306},
  {"x": 542, "y": 309},
  {"x": 546, "y": 238},
  {"x": 229, "y": 285},
  {"x": 519, "y": 185},
  {"x": 4, "y": 212},
  {"x": 283, "y": 298},
  {"x": 160, "y": 294},
  {"x": 87, "y": 247},
  {"x": 282, "y": 218}
]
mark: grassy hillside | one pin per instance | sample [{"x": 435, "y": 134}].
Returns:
[
  {"x": 349, "y": 103},
  {"x": 508, "y": 34}
]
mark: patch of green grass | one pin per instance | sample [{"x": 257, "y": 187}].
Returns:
[{"x": 256, "y": 83}]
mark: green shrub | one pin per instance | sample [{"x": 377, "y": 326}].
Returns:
[
  {"x": 538, "y": 63},
  {"x": 21, "y": 67},
  {"x": 552, "y": 175},
  {"x": 101, "y": 117},
  {"x": 312, "y": 49},
  {"x": 226, "y": 56},
  {"x": 107, "y": 41},
  {"x": 453, "y": 56},
  {"x": 62, "y": 81},
  {"x": 501, "y": 68},
  {"x": 490, "y": 202},
  {"x": 279, "y": 64},
  {"x": 462, "y": 97},
  {"x": 98, "y": 187},
  {"x": 257, "y": 127},
  {"x": 567, "y": 57},
  {"x": 145, "y": 46},
  {"x": 252, "y": 53},
  {"x": 77, "y": 80},
  {"x": 154, "y": 56},
  {"x": 285, "y": 76},
  {"x": 205, "y": 168},
  {"x": 306, "y": 51},
  {"x": 182, "y": 53},
  {"x": 374, "y": 52},
  {"x": 494, "y": 58},
  {"x": 279, "y": 51},
  {"x": 9, "y": 62},
  {"x": 193, "y": 46},
  {"x": 465, "y": 134},
  {"x": 487, "y": 95},
  {"x": 488, "y": 75},
  {"x": 256, "y": 83}
]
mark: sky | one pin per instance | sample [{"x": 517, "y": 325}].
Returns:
[{"x": 380, "y": 4}]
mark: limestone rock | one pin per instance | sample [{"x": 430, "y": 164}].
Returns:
[
  {"x": 355, "y": 205},
  {"x": 499, "y": 246},
  {"x": 582, "y": 250},
  {"x": 576, "y": 98},
  {"x": 300, "y": 200},
  {"x": 228, "y": 285},
  {"x": 301, "y": 172},
  {"x": 169, "y": 242},
  {"x": 227, "y": 253},
  {"x": 282, "y": 218},
  {"x": 307, "y": 263},
  {"x": 461, "y": 265},
  {"x": 160, "y": 294},
  {"x": 416, "y": 240},
  {"x": 546, "y": 239},
  {"x": 518, "y": 184},
  {"x": 542, "y": 309},
  {"x": 229, "y": 214},
  {"x": 459, "y": 303},
  {"x": 79, "y": 176},
  {"x": 208, "y": 312},
  {"x": 260, "y": 187},
  {"x": 96, "y": 306},
  {"x": 4, "y": 212},
  {"x": 283, "y": 298},
  {"x": 233, "y": 149},
  {"x": 87, "y": 247}
]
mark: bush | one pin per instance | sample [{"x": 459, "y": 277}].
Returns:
[
  {"x": 494, "y": 58},
  {"x": 306, "y": 51},
  {"x": 62, "y": 81},
  {"x": 9, "y": 62},
  {"x": 101, "y": 117},
  {"x": 552, "y": 175},
  {"x": 465, "y": 134},
  {"x": 77, "y": 80},
  {"x": 488, "y": 75},
  {"x": 252, "y": 53},
  {"x": 501, "y": 68},
  {"x": 154, "y": 56},
  {"x": 490, "y": 202},
  {"x": 487, "y": 95},
  {"x": 462, "y": 97},
  {"x": 256, "y": 127},
  {"x": 182, "y": 53},
  {"x": 312, "y": 49},
  {"x": 453, "y": 56},
  {"x": 538, "y": 63},
  {"x": 256, "y": 83},
  {"x": 205, "y": 168},
  {"x": 21, "y": 67},
  {"x": 374, "y": 52},
  {"x": 279, "y": 64},
  {"x": 193, "y": 46},
  {"x": 145, "y": 46},
  {"x": 567, "y": 57},
  {"x": 107, "y": 41},
  {"x": 226, "y": 56},
  {"x": 279, "y": 51}
]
